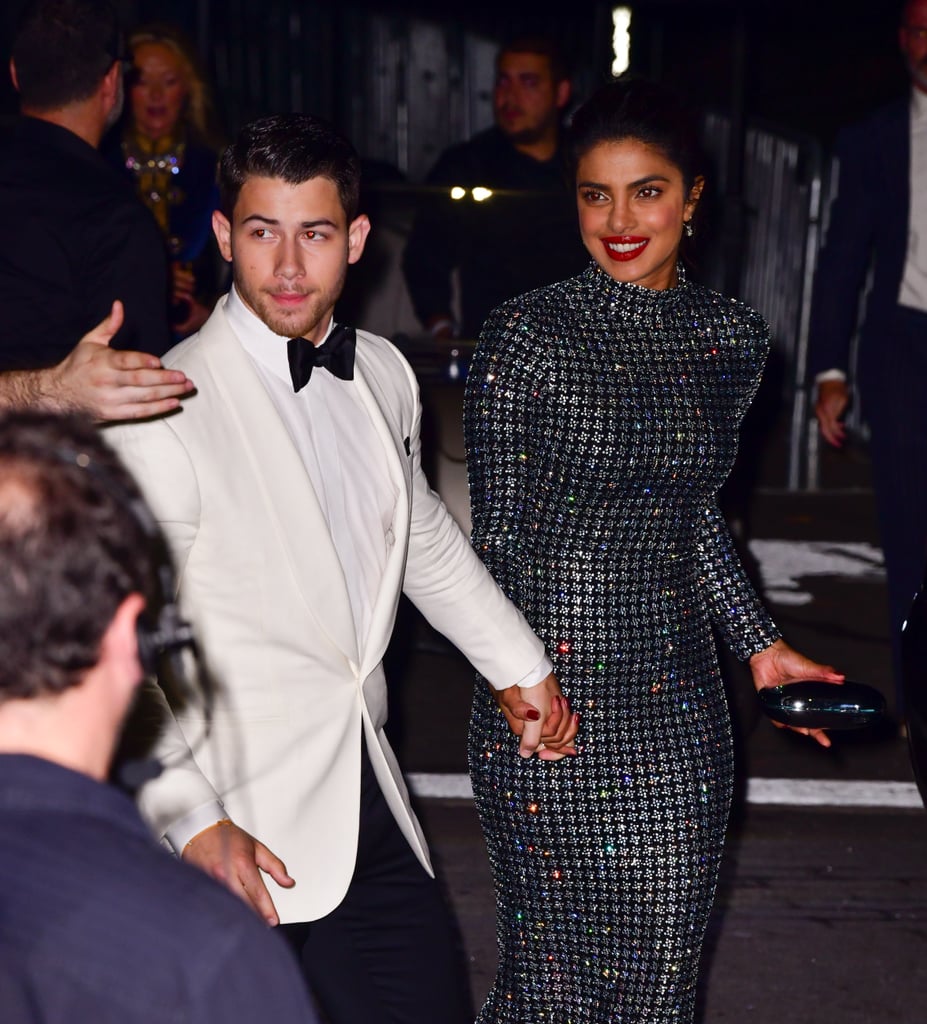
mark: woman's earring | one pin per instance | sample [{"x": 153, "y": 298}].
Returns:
[{"x": 689, "y": 230}]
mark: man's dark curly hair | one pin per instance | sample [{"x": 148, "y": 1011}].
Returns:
[{"x": 71, "y": 549}]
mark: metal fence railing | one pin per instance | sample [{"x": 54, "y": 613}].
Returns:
[{"x": 785, "y": 186}]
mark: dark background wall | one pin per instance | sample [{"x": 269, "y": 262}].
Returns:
[
  {"x": 808, "y": 66},
  {"x": 775, "y": 80}
]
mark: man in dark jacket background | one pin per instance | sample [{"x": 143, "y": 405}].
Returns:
[
  {"x": 878, "y": 226},
  {"x": 521, "y": 235}
]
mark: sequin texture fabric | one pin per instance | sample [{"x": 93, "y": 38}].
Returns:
[{"x": 601, "y": 419}]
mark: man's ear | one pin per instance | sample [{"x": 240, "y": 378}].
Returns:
[
  {"x": 358, "y": 231},
  {"x": 13, "y": 76},
  {"x": 119, "y": 645},
  {"x": 110, "y": 84},
  {"x": 563, "y": 93},
  {"x": 222, "y": 229}
]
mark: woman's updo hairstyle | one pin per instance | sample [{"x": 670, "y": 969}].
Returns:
[{"x": 635, "y": 108}]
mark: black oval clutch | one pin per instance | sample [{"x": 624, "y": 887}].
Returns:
[{"x": 810, "y": 704}]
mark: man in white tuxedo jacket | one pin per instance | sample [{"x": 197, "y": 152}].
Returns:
[{"x": 297, "y": 511}]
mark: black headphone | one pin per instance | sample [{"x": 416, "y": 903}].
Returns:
[{"x": 162, "y": 633}]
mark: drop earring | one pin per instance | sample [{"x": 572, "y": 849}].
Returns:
[{"x": 689, "y": 230}]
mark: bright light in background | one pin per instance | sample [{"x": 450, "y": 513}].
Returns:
[
  {"x": 621, "y": 39},
  {"x": 478, "y": 193}
]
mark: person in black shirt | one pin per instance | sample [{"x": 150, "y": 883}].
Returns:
[
  {"x": 524, "y": 234},
  {"x": 79, "y": 237}
]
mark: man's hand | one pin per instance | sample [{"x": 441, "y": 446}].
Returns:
[
  {"x": 183, "y": 291},
  {"x": 195, "y": 319},
  {"x": 780, "y": 664},
  {"x": 832, "y": 401},
  {"x": 540, "y": 715},
  {"x": 234, "y": 857},
  {"x": 112, "y": 384}
]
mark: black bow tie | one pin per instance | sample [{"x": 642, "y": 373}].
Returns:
[{"x": 336, "y": 355}]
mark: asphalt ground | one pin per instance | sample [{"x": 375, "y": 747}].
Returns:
[{"x": 821, "y": 914}]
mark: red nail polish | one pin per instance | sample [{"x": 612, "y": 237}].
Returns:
[{"x": 533, "y": 715}]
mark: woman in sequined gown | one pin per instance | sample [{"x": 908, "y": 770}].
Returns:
[{"x": 601, "y": 420}]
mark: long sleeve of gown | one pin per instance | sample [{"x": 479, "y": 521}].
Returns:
[{"x": 503, "y": 386}]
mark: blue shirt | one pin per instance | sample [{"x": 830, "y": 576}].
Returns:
[{"x": 98, "y": 923}]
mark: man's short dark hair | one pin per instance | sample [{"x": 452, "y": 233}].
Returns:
[
  {"x": 295, "y": 148},
  {"x": 62, "y": 49},
  {"x": 542, "y": 46},
  {"x": 71, "y": 550}
]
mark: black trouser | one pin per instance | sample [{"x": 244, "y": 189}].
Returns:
[{"x": 389, "y": 953}]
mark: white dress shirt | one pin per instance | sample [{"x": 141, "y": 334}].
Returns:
[
  {"x": 913, "y": 291},
  {"x": 342, "y": 453}
]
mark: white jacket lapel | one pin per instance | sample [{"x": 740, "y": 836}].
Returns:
[{"x": 386, "y": 422}]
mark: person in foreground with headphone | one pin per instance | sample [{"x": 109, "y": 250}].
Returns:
[{"x": 96, "y": 922}]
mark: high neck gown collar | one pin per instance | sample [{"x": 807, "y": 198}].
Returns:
[{"x": 627, "y": 292}]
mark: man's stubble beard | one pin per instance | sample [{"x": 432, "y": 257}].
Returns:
[
  {"x": 531, "y": 136},
  {"x": 295, "y": 326},
  {"x": 526, "y": 137}
]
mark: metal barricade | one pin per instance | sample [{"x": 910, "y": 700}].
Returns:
[{"x": 783, "y": 199}]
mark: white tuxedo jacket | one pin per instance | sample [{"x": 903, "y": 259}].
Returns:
[{"x": 260, "y": 579}]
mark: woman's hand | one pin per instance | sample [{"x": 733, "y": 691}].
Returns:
[
  {"x": 540, "y": 715},
  {"x": 779, "y": 664}
]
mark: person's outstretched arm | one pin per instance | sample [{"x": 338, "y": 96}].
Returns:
[{"x": 107, "y": 383}]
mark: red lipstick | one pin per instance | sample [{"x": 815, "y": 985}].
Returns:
[{"x": 624, "y": 247}]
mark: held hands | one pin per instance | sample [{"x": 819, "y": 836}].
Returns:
[
  {"x": 540, "y": 715},
  {"x": 111, "y": 384},
  {"x": 832, "y": 401},
  {"x": 234, "y": 857},
  {"x": 780, "y": 664}
]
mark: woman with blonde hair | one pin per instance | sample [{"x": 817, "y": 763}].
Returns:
[{"x": 168, "y": 146}]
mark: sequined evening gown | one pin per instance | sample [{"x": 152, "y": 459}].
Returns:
[{"x": 601, "y": 419}]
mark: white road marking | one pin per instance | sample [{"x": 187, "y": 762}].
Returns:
[
  {"x": 780, "y": 792},
  {"x": 783, "y": 563}
]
